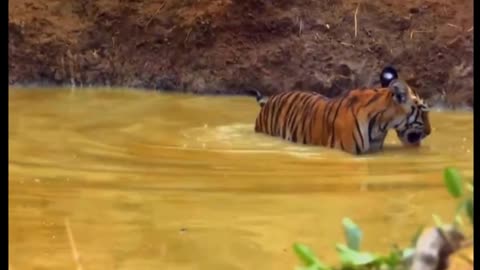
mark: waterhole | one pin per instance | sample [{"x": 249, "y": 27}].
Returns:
[{"x": 157, "y": 181}]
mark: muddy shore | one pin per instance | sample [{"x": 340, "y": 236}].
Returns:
[{"x": 226, "y": 47}]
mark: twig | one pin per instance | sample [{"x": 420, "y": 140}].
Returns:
[
  {"x": 454, "y": 25},
  {"x": 72, "y": 78},
  {"x": 415, "y": 31},
  {"x": 453, "y": 40},
  {"x": 187, "y": 36},
  {"x": 470, "y": 29},
  {"x": 62, "y": 62},
  {"x": 442, "y": 242},
  {"x": 300, "y": 27},
  {"x": 355, "y": 19},
  {"x": 465, "y": 258},
  {"x": 154, "y": 14},
  {"x": 75, "y": 254},
  {"x": 467, "y": 243}
]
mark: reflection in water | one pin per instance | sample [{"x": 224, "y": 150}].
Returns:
[{"x": 151, "y": 181}]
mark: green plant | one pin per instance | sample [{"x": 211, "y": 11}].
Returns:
[
  {"x": 456, "y": 187},
  {"x": 352, "y": 258}
]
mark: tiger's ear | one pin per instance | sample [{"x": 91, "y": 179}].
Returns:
[
  {"x": 387, "y": 76},
  {"x": 399, "y": 90}
]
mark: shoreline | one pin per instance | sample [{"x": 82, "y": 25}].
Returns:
[
  {"x": 438, "y": 107},
  {"x": 227, "y": 46}
]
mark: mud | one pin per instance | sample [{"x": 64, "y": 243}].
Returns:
[{"x": 228, "y": 47}]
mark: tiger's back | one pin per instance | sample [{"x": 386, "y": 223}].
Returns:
[{"x": 290, "y": 115}]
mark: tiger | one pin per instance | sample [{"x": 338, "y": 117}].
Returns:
[
  {"x": 356, "y": 122},
  {"x": 418, "y": 125}
]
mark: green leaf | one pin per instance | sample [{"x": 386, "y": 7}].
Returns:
[
  {"x": 415, "y": 237},
  {"x": 453, "y": 181},
  {"x": 469, "y": 209},
  {"x": 351, "y": 256},
  {"x": 408, "y": 252},
  {"x": 308, "y": 257},
  {"x": 458, "y": 221},
  {"x": 461, "y": 207},
  {"x": 353, "y": 234},
  {"x": 393, "y": 259},
  {"x": 386, "y": 266},
  {"x": 312, "y": 267},
  {"x": 438, "y": 221}
]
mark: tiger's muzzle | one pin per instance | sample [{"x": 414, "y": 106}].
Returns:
[{"x": 412, "y": 137}]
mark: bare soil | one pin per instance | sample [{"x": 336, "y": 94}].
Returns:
[{"x": 230, "y": 46}]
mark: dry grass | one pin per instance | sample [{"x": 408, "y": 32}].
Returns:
[
  {"x": 355, "y": 20},
  {"x": 417, "y": 31}
]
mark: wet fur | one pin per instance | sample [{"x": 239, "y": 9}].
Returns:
[
  {"x": 356, "y": 122},
  {"x": 346, "y": 122}
]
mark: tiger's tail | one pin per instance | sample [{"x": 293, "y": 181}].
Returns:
[{"x": 261, "y": 99}]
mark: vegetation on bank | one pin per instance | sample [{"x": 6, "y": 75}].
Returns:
[{"x": 430, "y": 248}]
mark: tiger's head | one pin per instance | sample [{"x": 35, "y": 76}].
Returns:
[{"x": 415, "y": 121}]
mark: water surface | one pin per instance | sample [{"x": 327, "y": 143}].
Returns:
[{"x": 157, "y": 181}]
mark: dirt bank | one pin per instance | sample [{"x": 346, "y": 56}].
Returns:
[{"x": 221, "y": 46}]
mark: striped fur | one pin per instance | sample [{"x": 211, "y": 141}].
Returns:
[
  {"x": 418, "y": 123},
  {"x": 356, "y": 122}
]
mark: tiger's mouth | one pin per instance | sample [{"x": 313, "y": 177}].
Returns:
[{"x": 414, "y": 138}]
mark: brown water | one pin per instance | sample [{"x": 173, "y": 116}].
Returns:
[{"x": 153, "y": 181}]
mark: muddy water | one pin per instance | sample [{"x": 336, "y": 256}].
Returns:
[{"x": 151, "y": 181}]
